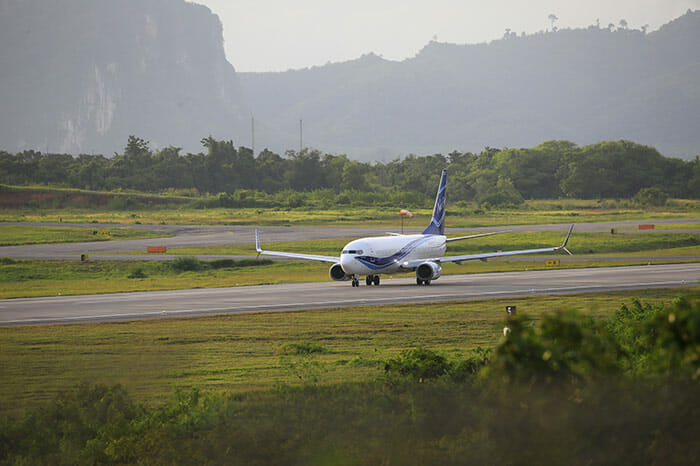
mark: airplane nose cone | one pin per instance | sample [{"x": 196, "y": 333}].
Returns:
[{"x": 346, "y": 261}]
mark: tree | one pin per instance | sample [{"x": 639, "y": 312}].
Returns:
[
  {"x": 623, "y": 24},
  {"x": 218, "y": 165},
  {"x": 552, "y": 18},
  {"x": 651, "y": 197},
  {"x": 354, "y": 176}
]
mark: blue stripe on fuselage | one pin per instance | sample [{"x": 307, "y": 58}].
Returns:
[{"x": 376, "y": 263}]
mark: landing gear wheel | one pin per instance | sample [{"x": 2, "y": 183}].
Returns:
[
  {"x": 368, "y": 280},
  {"x": 355, "y": 282},
  {"x": 376, "y": 280},
  {"x": 422, "y": 282}
]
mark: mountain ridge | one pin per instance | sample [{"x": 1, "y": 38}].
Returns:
[{"x": 583, "y": 85}]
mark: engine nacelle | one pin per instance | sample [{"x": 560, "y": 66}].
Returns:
[
  {"x": 429, "y": 271},
  {"x": 338, "y": 274}
]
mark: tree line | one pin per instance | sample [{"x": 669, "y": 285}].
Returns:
[{"x": 554, "y": 169}]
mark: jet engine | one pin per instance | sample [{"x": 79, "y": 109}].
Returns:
[
  {"x": 338, "y": 274},
  {"x": 428, "y": 271}
]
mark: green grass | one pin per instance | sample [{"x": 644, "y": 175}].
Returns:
[
  {"x": 244, "y": 353},
  {"x": 464, "y": 216},
  {"x": 32, "y": 278},
  {"x": 580, "y": 243},
  {"x": 14, "y": 235}
]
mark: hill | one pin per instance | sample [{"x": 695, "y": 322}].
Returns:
[{"x": 582, "y": 85}]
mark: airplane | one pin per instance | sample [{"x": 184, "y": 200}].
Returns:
[{"x": 396, "y": 253}]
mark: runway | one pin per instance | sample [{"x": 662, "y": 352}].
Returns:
[{"x": 324, "y": 295}]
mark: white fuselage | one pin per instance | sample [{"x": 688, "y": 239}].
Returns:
[{"x": 386, "y": 254}]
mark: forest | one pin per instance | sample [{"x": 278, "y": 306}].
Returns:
[{"x": 493, "y": 177}]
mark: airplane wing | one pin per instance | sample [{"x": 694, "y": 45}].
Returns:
[
  {"x": 308, "y": 257},
  {"x": 415, "y": 263},
  {"x": 460, "y": 238}
]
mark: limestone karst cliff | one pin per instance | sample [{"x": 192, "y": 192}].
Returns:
[{"x": 79, "y": 76}]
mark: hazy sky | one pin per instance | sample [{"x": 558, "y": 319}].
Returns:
[{"x": 276, "y": 35}]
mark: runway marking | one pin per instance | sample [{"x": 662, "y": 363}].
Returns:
[{"x": 342, "y": 303}]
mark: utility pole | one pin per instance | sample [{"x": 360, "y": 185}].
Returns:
[{"x": 252, "y": 133}]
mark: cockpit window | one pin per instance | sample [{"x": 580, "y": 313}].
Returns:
[{"x": 352, "y": 251}]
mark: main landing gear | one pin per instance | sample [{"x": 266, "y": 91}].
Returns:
[
  {"x": 422, "y": 282},
  {"x": 369, "y": 280}
]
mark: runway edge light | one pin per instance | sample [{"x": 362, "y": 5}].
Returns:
[{"x": 510, "y": 312}]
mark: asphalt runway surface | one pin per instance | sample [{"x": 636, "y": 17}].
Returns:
[
  {"x": 325, "y": 295},
  {"x": 203, "y": 235}
]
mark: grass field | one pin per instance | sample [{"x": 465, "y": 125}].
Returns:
[
  {"x": 533, "y": 212},
  {"x": 14, "y": 235},
  {"x": 580, "y": 243},
  {"x": 250, "y": 352}
]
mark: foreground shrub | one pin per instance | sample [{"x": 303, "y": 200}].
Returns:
[
  {"x": 419, "y": 363},
  {"x": 616, "y": 422},
  {"x": 565, "y": 347}
]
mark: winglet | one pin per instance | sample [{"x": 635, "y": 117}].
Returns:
[
  {"x": 563, "y": 246},
  {"x": 257, "y": 242}
]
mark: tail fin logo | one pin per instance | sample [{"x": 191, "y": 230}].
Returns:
[{"x": 437, "y": 223}]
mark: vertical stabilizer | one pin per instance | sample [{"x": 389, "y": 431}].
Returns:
[{"x": 437, "y": 223}]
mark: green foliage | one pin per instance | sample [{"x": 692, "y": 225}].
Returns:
[
  {"x": 187, "y": 264},
  {"x": 419, "y": 363},
  {"x": 629, "y": 327},
  {"x": 650, "y": 197},
  {"x": 232, "y": 263},
  {"x": 80, "y": 426},
  {"x": 674, "y": 339},
  {"x": 493, "y": 177},
  {"x": 365, "y": 423},
  {"x": 192, "y": 264},
  {"x": 422, "y": 364}
]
